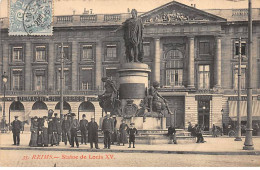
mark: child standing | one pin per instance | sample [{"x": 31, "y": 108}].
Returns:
[{"x": 132, "y": 131}]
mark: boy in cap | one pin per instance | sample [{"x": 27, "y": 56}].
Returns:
[
  {"x": 83, "y": 129},
  {"x": 16, "y": 128},
  {"x": 93, "y": 133},
  {"x": 132, "y": 131}
]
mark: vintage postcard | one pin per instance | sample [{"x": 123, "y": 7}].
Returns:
[{"x": 130, "y": 83}]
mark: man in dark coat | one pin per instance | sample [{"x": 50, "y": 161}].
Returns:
[
  {"x": 65, "y": 126},
  {"x": 83, "y": 129},
  {"x": 93, "y": 133},
  {"x": 16, "y": 128},
  {"x": 107, "y": 128},
  {"x": 52, "y": 138},
  {"x": 59, "y": 130},
  {"x": 74, "y": 127}
]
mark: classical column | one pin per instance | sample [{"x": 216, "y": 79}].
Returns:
[
  {"x": 28, "y": 66},
  {"x": 217, "y": 63},
  {"x": 156, "y": 68},
  {"x": 98, "y": 67},
  {"x": 191, "y": 63},
  {"x": 51, "y": 71},
  {"x": 74, "y": 79}
]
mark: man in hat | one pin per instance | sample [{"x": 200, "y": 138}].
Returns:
[
  {"x": 107, "y": 128},
  {"x": 132, "y": 131},
  {"x": 74, "y": 127},
  {"x": 93, "y": 133},
  {"x": 83, "y": 129},
  {"x": 65, "y": 126},
  {"x": 16, "y": 128},
  {"x": 114, "y": 133}
]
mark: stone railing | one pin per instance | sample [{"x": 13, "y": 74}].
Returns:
[
  {"x": 88, "y": 18},
  {"x": 112, "y": 17},
  {"x": 64, "y": 19}
]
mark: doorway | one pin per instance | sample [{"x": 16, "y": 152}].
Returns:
[{"x": 204, "y": 114}]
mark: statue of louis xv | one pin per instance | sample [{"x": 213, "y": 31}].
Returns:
[{"x": 133, "y": 36}]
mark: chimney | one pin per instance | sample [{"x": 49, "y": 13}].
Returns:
[
  {"x": 128, "y": 10},
  {"x": 74, "y": 11},
  {"x": 194, "y": 5},
  {"x": 90, "y": 11}
]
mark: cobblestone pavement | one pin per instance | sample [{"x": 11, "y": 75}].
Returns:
[{"x": 70, "y": 158}]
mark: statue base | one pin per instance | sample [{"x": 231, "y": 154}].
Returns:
[{"x": 150, "y": 123}]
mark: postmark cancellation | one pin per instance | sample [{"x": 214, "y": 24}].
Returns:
[{"x": 30, "y": 17}]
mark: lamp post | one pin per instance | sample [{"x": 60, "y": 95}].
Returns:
[
  {"x": 238, "y": 137},
  {"x": 61, "y": 81},
  {"x": 4, "y": 78},
  {"x": 222, "y": 115},
  {"x": 248, "y": 145}
]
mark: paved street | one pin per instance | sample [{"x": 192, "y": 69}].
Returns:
[{"x": 70, "y": 158}]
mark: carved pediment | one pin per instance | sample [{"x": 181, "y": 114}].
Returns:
[{"x": 175, "y": 12}]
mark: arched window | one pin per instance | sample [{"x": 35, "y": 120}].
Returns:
[
  {"x": 39, "y": 105},
  {"x": 174, "y": 68},
  {"x": 66, "y": 106},
  {"x": 86, "y": 107},
  {"x": 16, "y": 106}
]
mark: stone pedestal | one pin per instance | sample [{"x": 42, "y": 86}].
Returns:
[{"x": 133, "y": 80}]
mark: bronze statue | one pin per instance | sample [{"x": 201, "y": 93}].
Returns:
[
  {"x": 156, "y": 102},
  {"x": 133, "y": 36},
  {"x": 106, "y": 100}
]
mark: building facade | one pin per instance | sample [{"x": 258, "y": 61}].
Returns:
[{"x": 192, "y": 53}]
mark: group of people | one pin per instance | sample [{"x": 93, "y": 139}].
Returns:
[
  {"x": 197, "y": 132},
  {"x": 112, "y": 135},
  {"x": 50, "y": 131}
]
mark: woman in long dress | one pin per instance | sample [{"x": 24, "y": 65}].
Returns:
[
  {"x": 34, "y": 132},
  {"x": 123, "y": 133}
]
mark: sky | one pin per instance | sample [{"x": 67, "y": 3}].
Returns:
[{"x": 66, "y": 7}]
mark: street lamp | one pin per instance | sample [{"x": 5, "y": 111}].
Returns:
[{"x": 4, "y": 79}]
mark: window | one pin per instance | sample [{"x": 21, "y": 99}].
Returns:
[
  {"x": 66, "y": 51},
  {"x": 67, "y": 79},
  {"x": 17, "y": 53},
  {"x": 40, "y": 53},
  {"x": 243, "y": 77},
  {"x": 17, "y": 83},
  {"x": 174, "y": 68},
  {"x": 87, "y": 52},
  {"x": 111, "y": 73},
  {"x": 39, "y": 81},
  {"x": 204, "y": 48},
  {"x": 86, "y": 82},
  {"x": 204, "y": 77},
  {"x": 243, "y": 48},
  {"x": 146, "y": 46},
  {"x": 111, "y": 52}
]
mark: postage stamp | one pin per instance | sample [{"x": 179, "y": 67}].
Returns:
[{"x": 30, "y": 17}]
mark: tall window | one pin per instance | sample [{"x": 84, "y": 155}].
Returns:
[
  {"x": 86, "y": 81},
  {"x": 204, "y": 77},
  {"x": 17, "y": 53},
  {"x": 243, "y": 48},
  {"x": 17, "y": 83},
  {"x": 39, "y": 81},
  {"x": 111, "y": 52},
  {"x": 66, "y": 50},
  {"x": 67, "y": 79},
  {"x": 204, "y": 48},
  {"x": 174, "y": 68},
  {"x": 87, "y": 52},
  {"x": 40, "y": 53},
  {"x": 243, "y": 77},
  {"x": 146, "y": 46}
]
